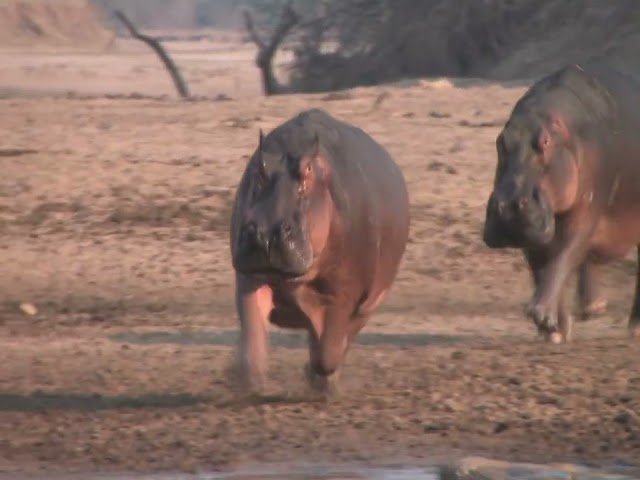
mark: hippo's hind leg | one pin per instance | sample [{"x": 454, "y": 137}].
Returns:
[
  {"x": 591, "y": 302},
  {"x": 253, "y": 303},
  {"x": 634, "y": 318}
]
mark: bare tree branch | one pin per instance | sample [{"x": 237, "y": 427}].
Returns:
[
  {"x": 171, "y": 67},
  {"x": 251, "y": 29},
  {"x": 266, "y": 51}
]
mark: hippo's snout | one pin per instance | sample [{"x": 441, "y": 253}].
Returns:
[
  {"x": 495, "y": 235},
  {"x": 264, "y": 239},
  {"x": 269, "y": 248},
  {"x": 517, "y": 218},
  {"x": 512, "y": 207}
]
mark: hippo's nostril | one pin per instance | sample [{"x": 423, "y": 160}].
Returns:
[
  {"x": 502, "y": 207},
  {"x": 535, "y": 195},
  {"x": 522, "y": 203},
  {"x": 249, "y": 230},
  {"x": 281, "y": 231}
]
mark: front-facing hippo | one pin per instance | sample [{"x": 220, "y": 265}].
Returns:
[
  {"x": 567, "y": 185},
  {"x": 319, "y": 226}
]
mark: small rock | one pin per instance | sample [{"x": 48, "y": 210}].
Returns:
[
  {"x": 340, "y": 95},
  {"x": 435, "y": 427},
  {"x": 458, "y": 355},
  {"x": 451, "y": 406},
  {"x": 500, "y": 427},
  {"x": 28, "y": 309},
  {"x": 623, "y": 417},
  {"x": 548, "y": 400},
  {"x": 436, "y": 165},
  {"x": 222, "y": 97},
  {"x": 190, "y": 237},
  {"x": 458, "y": 146}
]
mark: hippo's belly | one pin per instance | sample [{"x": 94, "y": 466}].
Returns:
[{"x": 615, "y": 236}]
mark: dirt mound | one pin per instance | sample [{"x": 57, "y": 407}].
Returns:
[
  {"x": 498, "y": 39},
  {"x": 52, "y": 23}
]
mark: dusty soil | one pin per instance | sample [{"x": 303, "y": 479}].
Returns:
[{"x": 114, "y": 216}]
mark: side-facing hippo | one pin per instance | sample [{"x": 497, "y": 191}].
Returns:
[
  {"x": 567, "y": 184},
  {"x": 319, "y": 226}
]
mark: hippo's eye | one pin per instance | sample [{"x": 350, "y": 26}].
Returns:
[
  {"x": 307, "y": 169},
  {"x": 304, "y": 178},
  {"x": 542, "y": 141}
]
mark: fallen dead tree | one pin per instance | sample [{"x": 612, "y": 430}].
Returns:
[{"x": 157, "y": 47}]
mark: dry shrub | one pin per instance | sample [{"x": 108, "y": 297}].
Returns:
[{"x": 365, "y": 42}]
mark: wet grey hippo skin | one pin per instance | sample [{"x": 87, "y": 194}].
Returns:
[
  {"x": 566, "y": 189},
  {"x": 319, "y": 226}
]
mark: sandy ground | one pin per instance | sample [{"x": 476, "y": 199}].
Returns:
[{"x": 114, "y": 219}]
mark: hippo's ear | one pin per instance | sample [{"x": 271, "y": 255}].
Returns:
[
  {"x": 262, "y": 167},
  {"x": 314, "y": 163},
  {"x": 558, "y": 125},
  {"x": 315, "y": 146}
]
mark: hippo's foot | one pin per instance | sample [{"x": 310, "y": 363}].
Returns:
[
  {"x": 245, "y": 382},
  {"x": 545, "y": 318},
  {"x": 553, "y": 327},
  {"x": 561, "y": 334},
  {"x": 553, "y": 336},
  {"x": 594, "y": 309},
  {"x": 326, "y": 385},
  {"x": 252, "y": 382}
]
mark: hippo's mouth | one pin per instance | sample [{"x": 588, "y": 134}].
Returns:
[
  {"x": 283, "y": 259},
  {"x": 287, "y": 271},
  {"x": 497, "y": 235},
  {"x": 274, "y": 272}
]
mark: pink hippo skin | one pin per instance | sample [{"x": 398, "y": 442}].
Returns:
[{"x": 319, "y": 226}]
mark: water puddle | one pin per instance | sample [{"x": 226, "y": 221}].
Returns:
[
  {"x": 319, "y": 473},
  {"x": 470, "y": 468},
  {"x": 266, "y": 473}
]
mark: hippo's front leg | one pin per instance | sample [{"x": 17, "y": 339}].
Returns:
[
  {"x": 253, "y": 303},
  {"x": 328, "y": 343},
  {"x": 634, "y": 318},
  {"x": 537, "y": 263},
  {"x": 551, "y": 273}
]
